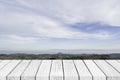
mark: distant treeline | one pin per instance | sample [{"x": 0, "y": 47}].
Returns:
[{"x": 59, "y": 56}]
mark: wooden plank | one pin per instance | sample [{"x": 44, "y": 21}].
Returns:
[
  {"x": 43, "y": 72},
  {"x": 8, "y": 68},
  {"x": 95, "y": 71},
  {"x": 3, "y": 63},
  {"x": 115, "y": 64},
  {"x": 82, "y": 70},
  {"x": 16, "y": 73},
  {"x": 118, "y": 61},
  {"x": 56, "y": 70},
  {"x": 30, "y": 72},
  {"x": 70, "y": 72},
  {"x": 110, "y": 72}
]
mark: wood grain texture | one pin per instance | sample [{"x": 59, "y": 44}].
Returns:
[
  {"x": 44, "y": 70},
  {"x": 70, "y": 71},
  {"x": 115, "y": 64},
  {"x": 84, "y": 73},
  {"x": 95, "y": 71},
  {"x": 3, "y": 63},
  {"x": 59, "y": 69},
  {"x": 17, "y": 72},
  {"x": 110, "y": 72},
  {"x": 56, "y": 70},
  {"x": 8, "y": 68},
  {"x": 118, "y": 61},
  {"x": 30, "y": 72}
]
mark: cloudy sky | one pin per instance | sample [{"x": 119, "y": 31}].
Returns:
[{"x": 59, "y": 24}]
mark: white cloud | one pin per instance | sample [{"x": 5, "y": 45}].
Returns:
[
  {"x": 53, "y": 29},
  {"x": 50, "y": 18},
  {"x": 77, "y": 11},
  {"x": 74, "y": 11},
  {"x": 16, "y": 39}
]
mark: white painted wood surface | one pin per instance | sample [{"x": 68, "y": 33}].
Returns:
[
  {"x": 118, "y": 61},
  {"x": 44, "y": 70},
  {"x": 3, "y": 63},
  {"x": 95, "y": 71},
  {"x": 70, "y": 71},
  {"x": 83, "y": 72},
  {"x": 17, "y": 72},
  {"x": 8, "y": 68},
  {"x": 115, "y": 64},
  {"x": 110, "y": 72},
  {"x": 59, "y": 69},
  {"x": 31, "y": 71},
  {"x": 56, "y": 70}
]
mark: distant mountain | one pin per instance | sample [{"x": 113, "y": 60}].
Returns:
[
  {"x": 60, "y": 56},
  {"x": 66, "y": 51}
]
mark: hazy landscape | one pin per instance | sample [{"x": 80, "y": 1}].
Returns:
[
  {"x": 61, "y": 54},
  {"x": 60, "y": 29}
]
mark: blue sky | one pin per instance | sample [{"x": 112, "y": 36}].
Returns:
[{"x": 59, "y": 24}]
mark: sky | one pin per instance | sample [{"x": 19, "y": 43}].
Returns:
[{"x": 59, "y": 24}]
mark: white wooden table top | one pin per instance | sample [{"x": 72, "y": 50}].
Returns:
[{"x": 59, "y": 69}]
